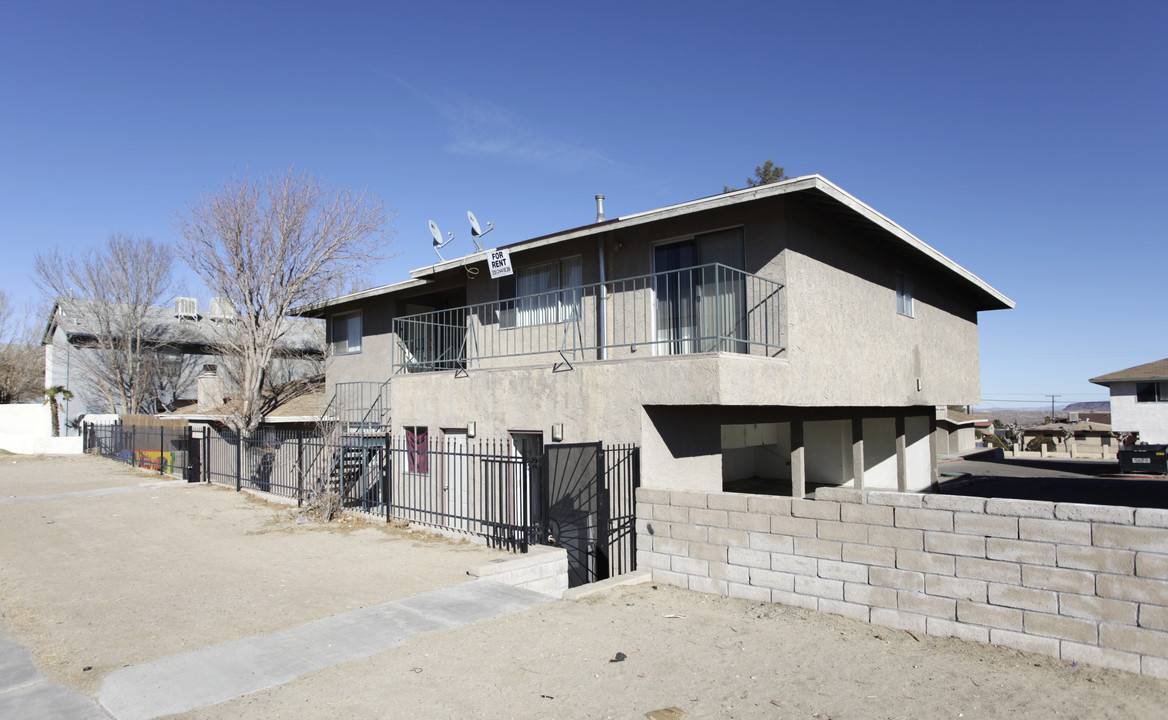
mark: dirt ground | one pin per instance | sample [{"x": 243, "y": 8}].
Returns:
[
  {"x": 102, "y": 582},
  {"x": 121, "y": 579}
]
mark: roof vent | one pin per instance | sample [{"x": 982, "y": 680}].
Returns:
[
  {"x": 221, "y": 309},
  {"x": 599, "y": 208},
  {"x": 186, "y": 308}
]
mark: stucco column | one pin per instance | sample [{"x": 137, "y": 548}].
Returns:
[
  {"x": 798, "y": 463},
  {"x": 901, "y": 456},
  {"x": 934, "y": 478},
  {"x": 858, "y": 452}
]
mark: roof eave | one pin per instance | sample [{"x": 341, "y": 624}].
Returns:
[{"x": 993, "y": 300}]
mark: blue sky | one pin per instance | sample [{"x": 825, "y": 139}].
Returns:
[{"x": 1024, "y": 140}]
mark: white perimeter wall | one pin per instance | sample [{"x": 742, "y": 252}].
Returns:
[{"x": 26, "y": 429}]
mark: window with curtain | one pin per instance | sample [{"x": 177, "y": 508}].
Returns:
[
  {"x": 904, "y": 294},
  {"x": 542, "y": 294},
  {"x": 417, "y": 452},
  {"x": 346, "y": 333},
  {"x": 700, "y": 309}
]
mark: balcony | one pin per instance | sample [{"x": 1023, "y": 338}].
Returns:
[{"x": 702, "y": 309}]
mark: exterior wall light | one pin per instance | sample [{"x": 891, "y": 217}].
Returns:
[
  {"x": 471, "y": 429},
  {"x": 557, "y": 432}
]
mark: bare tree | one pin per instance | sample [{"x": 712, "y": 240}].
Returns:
[
  {"x": 111, "y": 288},
  {"x": 22, "y": 369},
  {"x": 269, "y": 244}
]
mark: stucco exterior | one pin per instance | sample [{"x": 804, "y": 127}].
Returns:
[
  {"x": 1149, "y": 419},
  {"x": 1148, "y": 415},
  {"x": 845, "y": 393}
]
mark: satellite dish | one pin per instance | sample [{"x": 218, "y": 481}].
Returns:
[
  {"x": 476, "y": 231},
  {"x": 438, "y": 241}
]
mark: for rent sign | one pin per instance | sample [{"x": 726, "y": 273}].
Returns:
[{"x": 500, "y": 263}]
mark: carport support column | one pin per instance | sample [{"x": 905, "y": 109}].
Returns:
[
  {"x": 934, "y": 478},
  {"x": 798, "y": 461},
  {"x": 901, "y": 456},
  {"x": 858, "y": 452}
]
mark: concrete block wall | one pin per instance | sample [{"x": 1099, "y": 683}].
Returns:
[
  {"x": 542, "y": 569},
  {"x": 1086, "y": 583}
]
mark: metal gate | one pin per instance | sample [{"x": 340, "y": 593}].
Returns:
[{"x": 588, "y": 508}]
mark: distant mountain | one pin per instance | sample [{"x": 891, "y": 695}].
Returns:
[{"x": 1095, "y": 406}]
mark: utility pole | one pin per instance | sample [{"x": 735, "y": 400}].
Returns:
[{"x": 1052, "y": 397}]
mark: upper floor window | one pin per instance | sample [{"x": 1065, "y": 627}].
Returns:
[
  {"x": 541, "y": 294},
  {"x": 1152, "y": 392},
  {"x": 904, "y": 294},
  {"x": 346, "y": 333}
]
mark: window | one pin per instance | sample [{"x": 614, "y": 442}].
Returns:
[
  {"x": 700, "y": 310},
  {"x": 1151, "y": 392},
  {"x": 904, "y": 294},
  {"x": 346, "y": 333},
  {"x": 417, "y": 451},
  {"x": 541, "y": 294}
]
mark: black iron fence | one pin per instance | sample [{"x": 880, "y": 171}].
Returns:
[
  {"x": 167, "y": 450},
  {"x": 479, "y": 487}
]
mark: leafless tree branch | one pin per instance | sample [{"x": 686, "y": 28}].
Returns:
[{"x": 270, "y": 244}]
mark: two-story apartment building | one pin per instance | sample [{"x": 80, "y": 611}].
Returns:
[
  {"x": 1139, "y": 400},
  {"x": 772, "y": 340},
  {"x": 178, "y": 342}
]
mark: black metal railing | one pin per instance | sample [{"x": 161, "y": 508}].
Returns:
[
  {"x": 479, "y": 487},
  {"x": 702, "y": 309},
  {"x": 167, "y": 450}
]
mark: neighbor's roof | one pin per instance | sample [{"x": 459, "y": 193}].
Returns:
[
  {"x": 77, "y": 317},
  {"x": 300, "y": 400},
  {"x": 816, "y": 185},
  {"x": 959, "y": 418},
  {"x": 1140, "y": 373},
  {"x": 1054, "y": 427}
]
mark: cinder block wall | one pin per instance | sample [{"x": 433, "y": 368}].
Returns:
[
  {"x": 1087, "y": 583},
  {"x": 542, "y": 569}
]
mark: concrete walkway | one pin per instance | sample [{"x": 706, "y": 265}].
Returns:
[
  {"x": 213, "y": 674},
  {"x": 79, "y": 494},
  {"x": 26, "y": 694}
]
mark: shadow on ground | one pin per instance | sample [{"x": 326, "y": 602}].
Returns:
[{"x": 1077, "y": 481}]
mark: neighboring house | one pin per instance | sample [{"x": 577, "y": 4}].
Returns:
[
  {"x": 772, "y": 339},
  {"x": 1139, "y": 400},
  {"x": 1083, "y": 435},
  {"x": 181, "y": 339},
  {"x": 957, "y": 432},
  {"x": 293, "y": 405}
]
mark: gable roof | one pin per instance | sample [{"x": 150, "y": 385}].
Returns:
[
  {"x": 1148, "y": 372},
  {"x": 816, "y": 187},
  {"x": 295, "y": 401},
  {"x": 76, "y": 317}
]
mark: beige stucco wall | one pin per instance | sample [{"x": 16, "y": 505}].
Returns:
[{"x": 846, "y": 346}]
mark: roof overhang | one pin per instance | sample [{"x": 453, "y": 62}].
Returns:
[{"x": 991, "y": 298}]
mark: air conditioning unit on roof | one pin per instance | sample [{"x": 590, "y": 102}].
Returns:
[
  {"x": 221, "y": 309},
  {"x": 186, "y": 308}
]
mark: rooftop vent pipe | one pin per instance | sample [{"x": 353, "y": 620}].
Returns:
[{"x": 599, "y": 208}]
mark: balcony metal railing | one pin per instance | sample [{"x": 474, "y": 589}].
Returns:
[
  {"x": 707, "y": 308},
  {"x": 358, "y": 405}
]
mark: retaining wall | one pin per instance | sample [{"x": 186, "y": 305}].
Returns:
[
  {"x": 1085, "y": 583},
  {"x": 542, "y": 569}
]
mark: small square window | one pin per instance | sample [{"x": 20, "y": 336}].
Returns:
[
  {"x": 904, "y": 295},
  {"x": 346, "y": 333}
]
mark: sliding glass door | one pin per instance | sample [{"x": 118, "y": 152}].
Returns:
[{"x": 700, "y": 309}]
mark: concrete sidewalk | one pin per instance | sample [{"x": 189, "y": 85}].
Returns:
[
  {"x": 26, "y": 694},
  {"x": 214, "y": 674}
]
